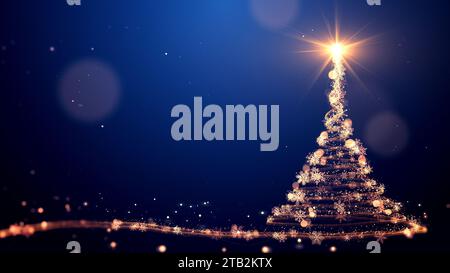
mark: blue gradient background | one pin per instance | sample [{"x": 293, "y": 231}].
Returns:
[{"x": 217, "y": 50}]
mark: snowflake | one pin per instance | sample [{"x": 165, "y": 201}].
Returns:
[
  {"x": 365, "y": 170},
  {"x": 340, "y": 207},
  {"x": 313, "y": 159},
  {"x": 142, "y": 227},
  {"x": 370, "y": 183},
  {"x": 116, "y": 224},
  {"x": 296, "y": 196},
  {"x": 357, "y": 196},
  {"x": 285, "y": 209},
  {"x": 341, "y": 217},
  {"x": 361, "y": 148},
  {"x": 177, "y": 230},
  {"x": 293, "y": 233},
  {"x": 279, "y": 236},
  {"x": 397, "y": 206},
  {"x": 299, "y": 215},
  {"x": 317, "y": 176},
  {"x": 380, "y": 189},
  {"x": 134, "y": 226},
  {"x": 321, "y": 190},
  {"x": 302, "y": 178},
  {"x": 321, "y": 141},
  {"x": 316, "y": 238},
  {"x": 276, "y": 211}
]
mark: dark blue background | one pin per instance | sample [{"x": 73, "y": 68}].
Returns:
[{"x": 216, "y": 50}]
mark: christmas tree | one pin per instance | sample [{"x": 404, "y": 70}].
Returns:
[{"x": 334, "y": 197}]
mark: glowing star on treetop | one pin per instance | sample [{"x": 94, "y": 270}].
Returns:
[{"x": 337, "y": 50}]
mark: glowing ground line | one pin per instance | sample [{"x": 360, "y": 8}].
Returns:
[{"x": 30, "y": 229}]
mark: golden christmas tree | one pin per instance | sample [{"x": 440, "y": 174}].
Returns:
[{"x": 334, "y": 196}]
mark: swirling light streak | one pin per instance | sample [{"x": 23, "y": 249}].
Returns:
[{"x": 235, "y": 232}]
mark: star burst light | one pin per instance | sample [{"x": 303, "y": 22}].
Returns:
[{"x": 336, "y": 48}]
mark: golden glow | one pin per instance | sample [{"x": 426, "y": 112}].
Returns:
[
  {"x": 337, "y": 50},
  {"x": 336, "y": 47}
]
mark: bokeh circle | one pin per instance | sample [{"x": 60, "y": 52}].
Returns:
[
  {"x": 387, "y": 134},
  {"x": 274, "y": 14},
  {"x": 89, "y": 90}
]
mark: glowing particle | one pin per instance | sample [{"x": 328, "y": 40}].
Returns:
[
  {"x": 113, "y": 245},
  {"x": 408, "y": 233},
  {"x": 337, "y": 50},
  {"x": 161, "y": 249},
  {"x": 376, "y": 203},
  {"x": 304, "y": 223},
  {"x": 40, "y": 210},
  {"x": 266, "y": 249},
  {"x": 67, "y": 207},
  {"x": 333, "y": 249},
  {"x": 332, "y": 75}
]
